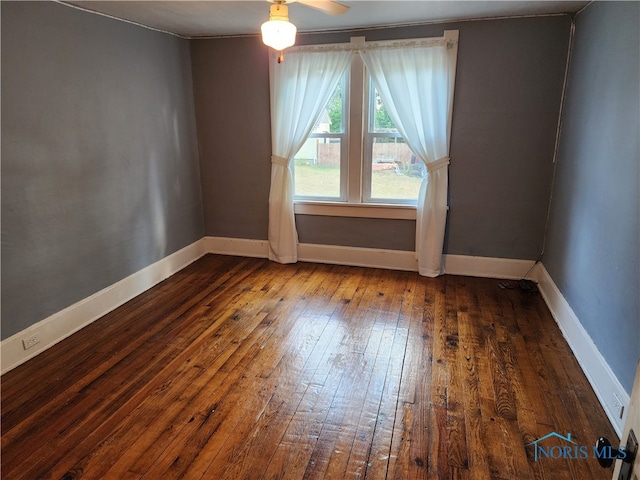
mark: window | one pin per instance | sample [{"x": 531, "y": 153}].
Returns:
[
  {"x": 392, "y": 172},
  {"x": 318, "y": 165},
  {"x": 355, "y": 154}
]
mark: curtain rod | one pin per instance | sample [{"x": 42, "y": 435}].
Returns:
[{"x": 449, "y": 38}]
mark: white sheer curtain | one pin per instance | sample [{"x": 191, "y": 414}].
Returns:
[
  {"x": 300, "y": 89},
  {"x": 416, "y": 86}
]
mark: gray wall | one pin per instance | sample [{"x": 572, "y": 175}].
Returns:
[
  {"x": 507, "y": 98},
  {"x": 593, "y": 245},
  {"x": 100, "y": 174},
  {"x": 231, "y": 89}
]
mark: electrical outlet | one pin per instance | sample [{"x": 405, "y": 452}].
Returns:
[
  {"x": 618, "y": 408},
  {"x": 30, "y": 341}
]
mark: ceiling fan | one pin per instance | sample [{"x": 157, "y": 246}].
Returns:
[
  {"x": 330, "y": 7},
  {"x": 279, "y": 33}
]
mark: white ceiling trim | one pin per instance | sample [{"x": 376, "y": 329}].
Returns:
[
  {"x": 223, "y": 19},
  {"x": 112, "y": 17}
]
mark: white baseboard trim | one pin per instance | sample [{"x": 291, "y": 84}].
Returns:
[
  {"x": 64, "y": 323},
  {"x": 486, "y": 267},
  {"x": 241, "y": 247},
  {"x": 375, "y": 258},
  {"x": 309, "y": 252},
  {"x": 602, "y": 379},
  {"x": 358, "y": 257}
]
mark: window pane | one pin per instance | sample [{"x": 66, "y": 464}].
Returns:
[
  {"x": 317, "y": 164},
  {"x": 381, "y": 120},
  {"x": 396, "y": 174},
  {"x": 331, "y": 117},
  {"x": 317, "y": 168}
]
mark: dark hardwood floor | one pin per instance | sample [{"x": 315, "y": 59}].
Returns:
[{"x": 242, "y": 368}]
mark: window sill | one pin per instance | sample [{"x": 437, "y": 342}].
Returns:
[{"x": 356, "y": 210}]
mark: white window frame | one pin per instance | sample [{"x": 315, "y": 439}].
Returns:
[{"x": 355, "y": 166}]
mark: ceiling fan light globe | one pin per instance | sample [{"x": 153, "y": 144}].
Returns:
[{"x": 278, "y": 34}]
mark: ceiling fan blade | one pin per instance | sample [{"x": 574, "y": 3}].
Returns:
[{"x": 327, "y": 6}]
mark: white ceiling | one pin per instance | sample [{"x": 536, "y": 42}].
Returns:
[{"x": 237, "y": 17}]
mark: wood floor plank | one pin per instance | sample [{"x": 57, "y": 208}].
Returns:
[
  {"x": 299, "y": 441},
  {"x": 385, "y": 317},
  {"x": 455, "y": 430},
  {"x": 238, "y": 368},
  {"x": 379, "y": 455},
  {"x": 470, "y": 342}
]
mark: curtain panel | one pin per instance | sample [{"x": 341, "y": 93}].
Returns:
[
  {"x": 416, "y": 84},
  {"x": 300, "y": 89}
]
